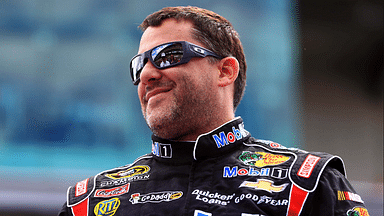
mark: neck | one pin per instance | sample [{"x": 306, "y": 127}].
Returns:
[
  {"x": 192, "y": 135},
  {"x": 213, "y": 143}
]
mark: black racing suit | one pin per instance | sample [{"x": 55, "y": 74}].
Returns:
[{"x": 225, "y": 172}]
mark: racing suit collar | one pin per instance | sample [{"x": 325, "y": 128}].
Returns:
[{"x": 212, "y": 144}]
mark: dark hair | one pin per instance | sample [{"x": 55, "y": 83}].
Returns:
[{"x": 212, "y": 30}]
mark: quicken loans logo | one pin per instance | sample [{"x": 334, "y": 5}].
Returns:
[{"x": 223, "y": 139}]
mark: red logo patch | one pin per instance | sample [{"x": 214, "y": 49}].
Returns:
[
  {"x": 345, "y": 195},
  {"x": 116, "y": 191},
  {"x": 275, "y": 145},
  {"x": 308, "y": 166},
  {"x": 81, "y": 187}
]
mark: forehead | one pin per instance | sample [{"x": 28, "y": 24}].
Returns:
[{"x": 170, "y": 30}]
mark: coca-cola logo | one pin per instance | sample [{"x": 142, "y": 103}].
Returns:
[{"x": 116, "y": 191}]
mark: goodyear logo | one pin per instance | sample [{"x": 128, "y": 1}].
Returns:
[
  {"x": 263, "y": 184},
  {"x": 262, "y": 159},
  {"x": 357, "y": 211},
  {"x": 107, "y": 207},
  {"x": 133, "y": 171}
]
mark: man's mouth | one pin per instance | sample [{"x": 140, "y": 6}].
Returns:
[{"x": 156, "y": 91}]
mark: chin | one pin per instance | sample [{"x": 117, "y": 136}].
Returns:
[
  {"x": 164, "y": 126},
  {"x": 156, "y": 123}
]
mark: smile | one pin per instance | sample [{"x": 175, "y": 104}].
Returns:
[{"x": 155, "y": 92}]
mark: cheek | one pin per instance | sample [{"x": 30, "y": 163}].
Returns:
[
  {"x": 200, "y": 71},
  {"x": 196, "y": 87},
  {"x": 140, "y": 92}
]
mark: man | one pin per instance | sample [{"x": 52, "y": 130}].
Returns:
[
  {"x": 164, "y": 61},
  {"x": 203, "y": 161}
]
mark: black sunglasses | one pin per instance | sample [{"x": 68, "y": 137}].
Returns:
[{"x": 167, "y": 55}]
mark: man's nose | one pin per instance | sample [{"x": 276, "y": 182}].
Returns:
[{"x": 149, "y": 73}]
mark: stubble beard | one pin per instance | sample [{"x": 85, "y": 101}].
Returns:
[
  {"x": 181, "y": 116},
  {"x": 161, "y": 122}
]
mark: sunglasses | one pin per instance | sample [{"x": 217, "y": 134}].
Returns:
[{"x": 167, "y": 55}]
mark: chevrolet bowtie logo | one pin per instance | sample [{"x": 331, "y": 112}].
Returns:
[{"x": 263, "y": 184}]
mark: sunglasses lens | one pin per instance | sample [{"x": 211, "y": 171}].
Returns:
[
  {"x": 163, "y": 56},
  {"x": 137, "y": 65},
  {"x": 167, "y": 55}
]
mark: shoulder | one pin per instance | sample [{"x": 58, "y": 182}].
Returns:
[
  {"x": 306, "y": 168},
  {"x": 120, "y": 176}
]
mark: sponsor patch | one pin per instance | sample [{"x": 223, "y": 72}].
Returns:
[
  {"x": 116, "y": 191},
  {"x": 230, "y": 172},
  {"x": 107, "y": 207},
  {"x": 260, "y": 200},
  {"x": 274, "y": 145},
  {"x": 273, "y": 202},
  {"x": 212, "y": 198},
  {"x": 162, "y": 150},
  {"x": 262, "y": 159},
  {"x": 201, "y": 213},
  {"x": 279, "y": 173},
  {"x": 81, "y": 187},
  {"x": 222, "y": 139},
  {"x": 345, "y": 195},
  {"x": 308, "y": 165},
  {"x": 131, "y": 172},
  {"x": 357, "y": 211},
  {"x": 156, "y": 197},
  {"x": 271, "y": 144},
  {"x": 263, "y": 184},
  {"x": 252, "y": 197},
  {"x": 122, "y": 181}
]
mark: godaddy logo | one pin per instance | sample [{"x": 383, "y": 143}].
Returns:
[{"x": 156, "y": 197}]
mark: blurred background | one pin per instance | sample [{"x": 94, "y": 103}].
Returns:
[{"x": 68, "y": 109}]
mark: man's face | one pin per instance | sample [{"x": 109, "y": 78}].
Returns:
[{"x": 176, "y": 102}]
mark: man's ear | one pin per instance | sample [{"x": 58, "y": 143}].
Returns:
[{"x": 228, "y": 71}]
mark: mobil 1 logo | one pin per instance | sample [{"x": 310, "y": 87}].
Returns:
[
  {"x": 162, "y": 150},
  {"x": 231, "y": 172},
  {"x": 279, "y": 173}
]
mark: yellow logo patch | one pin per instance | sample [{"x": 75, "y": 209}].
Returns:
[
  {"x": 357, "y": 211},
  {"x": 133, "y": 171},
  {"x": 262, "y": 159},
  {"x": 107, "y": 207},
  {"x": 263, "y": 184}
]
